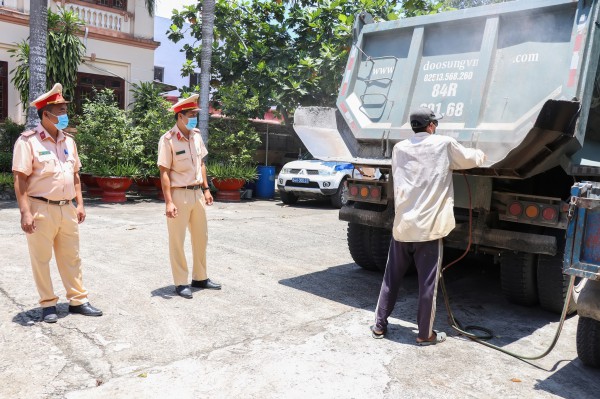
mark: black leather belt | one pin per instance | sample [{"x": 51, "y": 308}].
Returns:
[
  {"x": 59, "y": 203},
  {"x": 192, "y": 187}
]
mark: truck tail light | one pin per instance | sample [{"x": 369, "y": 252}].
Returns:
[
  {"x": 353, "y": 190},
  {"x": 549, "y": 213},
  {"x": 375, "y": 192},
  {"x": 515, "y": 209},
  {"x": 532, "y": 211}
]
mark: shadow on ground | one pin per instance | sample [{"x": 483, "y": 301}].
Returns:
[
  {"x": 473, "y": 287},
  {"x": 574, "y": 380}
]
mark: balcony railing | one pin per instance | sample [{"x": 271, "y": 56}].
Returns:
[{"x": 100, "y": 18}]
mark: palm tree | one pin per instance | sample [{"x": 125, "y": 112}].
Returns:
[
  {"x": 150, "y": 6},
  {"x": 38, "y": 32},
  {"x": 208, "y": 24}
]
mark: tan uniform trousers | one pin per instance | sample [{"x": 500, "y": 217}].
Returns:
[
  {"x": 56, "y": 227},
  {"x": 191, "y": 213}
]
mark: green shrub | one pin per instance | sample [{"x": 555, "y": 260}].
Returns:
[
  {"x": 231, "y": 171},
  {"x": 5, "y": 162},
  {"x": 232, "y": 141},
  {"x": 106, "y": 137},
  {"x": 9, "y": 133},
  {"x": 6, "y": 180},
  {"x": 152, "y": 119}
]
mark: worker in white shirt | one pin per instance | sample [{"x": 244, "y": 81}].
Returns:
[{"x": 424, "y": 214}]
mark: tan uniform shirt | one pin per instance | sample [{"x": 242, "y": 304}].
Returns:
[
  {"x": 182, "y": 156},
  {"x": 50, "y": 164},
  {"x": 423, "y": 191}
]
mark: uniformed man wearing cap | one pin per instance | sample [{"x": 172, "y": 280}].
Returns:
[
  {"x": 46, "y": 169},
  {"x": 183, "y": 176}
]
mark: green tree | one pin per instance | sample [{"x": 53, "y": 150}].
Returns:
[
  {"x": 284, "y": 53},
  {"x": 62, "y": 56},
  {"x": 471, "y": 3}
]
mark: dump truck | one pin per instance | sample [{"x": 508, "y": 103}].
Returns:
[{"x": 518, "y": 80}]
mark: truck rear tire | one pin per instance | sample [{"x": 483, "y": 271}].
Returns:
[
  {"x": 588, "y": 341},
  {"x": 340, "y": 198},
  {"x": 552, "y": 285},
  {"x": 288, "y": 198},
  {"x": 360, "y": 247},
  {"x": 380, "y": 246},
  {"x": 518, "y": 277}
]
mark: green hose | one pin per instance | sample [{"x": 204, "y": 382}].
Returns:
[{"x": 455, "y": 324}]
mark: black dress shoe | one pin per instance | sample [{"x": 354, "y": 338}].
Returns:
[
  {"x": 206, "y": 284},
  {"x": 184, "y": 291},
  {"x": 85, "y": 309},
  {"x": 49, "y": 314}
]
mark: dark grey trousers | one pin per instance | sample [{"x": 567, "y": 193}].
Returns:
[{"x": 427, "y": 257}]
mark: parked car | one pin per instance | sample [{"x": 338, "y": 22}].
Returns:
[{"x": 316, "y": 179}]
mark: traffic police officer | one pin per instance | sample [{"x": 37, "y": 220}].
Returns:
[
  {"x": 185, "y": 187},
  {"x": 46, "y": 170}
]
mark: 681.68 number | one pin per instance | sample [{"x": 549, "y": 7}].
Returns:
[{"x": 452, "y": 109}]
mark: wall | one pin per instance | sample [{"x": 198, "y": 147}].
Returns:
[
  {"x": 168, "y": 56},
  {"x": 128, "y": 56}
]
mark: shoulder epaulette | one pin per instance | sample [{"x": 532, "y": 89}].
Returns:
[
  {"x": 168, "y": 135},
  {"x": 28, "y": 133}
]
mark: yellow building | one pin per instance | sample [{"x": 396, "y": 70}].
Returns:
[{"x": 119, "y": 47}]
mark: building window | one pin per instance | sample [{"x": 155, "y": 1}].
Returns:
[
  {"x": 194, "y": 79},
  {"x": 88, "y": 82},
  {"x": 3, "y": 90},
  {"x": 119, "y": 4},
  {"x": 159, "y": 74}
]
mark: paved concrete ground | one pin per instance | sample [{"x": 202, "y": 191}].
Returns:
[{"x": 291, "y": 322}]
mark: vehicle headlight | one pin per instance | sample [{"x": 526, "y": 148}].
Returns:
[
  {"x": 286, "y": 171},
  {"x": 324, "y": 172}
]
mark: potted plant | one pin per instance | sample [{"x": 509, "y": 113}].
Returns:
[
  {"x": 110, "y": 146},
  {"x": 229, "y": 178},
  {"x": 115, "y": 180},
  {"x": 232, "y": 145}
]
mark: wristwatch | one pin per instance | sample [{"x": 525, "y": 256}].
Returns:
[{"x": 205, "y": 188}]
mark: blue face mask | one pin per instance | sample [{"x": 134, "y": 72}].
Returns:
[
  {"x": 63, "y": 121},
  {"x": 192, "y": 122}
]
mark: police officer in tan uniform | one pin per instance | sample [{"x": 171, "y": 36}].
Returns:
[
  {"x": 46, "y": 169},
  {"x": 185, "y": 187}
]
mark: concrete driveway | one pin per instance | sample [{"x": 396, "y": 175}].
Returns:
[{"x": 292, "y": 320}]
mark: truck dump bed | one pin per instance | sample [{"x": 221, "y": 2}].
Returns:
[{"x": 516, "y": 80}]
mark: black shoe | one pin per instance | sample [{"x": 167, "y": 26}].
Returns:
[
  {"x": 49, "y": 314},
  {"x": 85, "y": 309},
  {"x": 184, "y": 291},
  {"x": 206, "y": 284}
]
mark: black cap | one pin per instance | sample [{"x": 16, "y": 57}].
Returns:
[{"x": 421, "y": 117}]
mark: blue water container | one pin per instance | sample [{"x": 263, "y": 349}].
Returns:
[{"x": 265, "y": 185}]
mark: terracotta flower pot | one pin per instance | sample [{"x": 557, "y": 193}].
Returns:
[
  {"x": 114, "y": 188},
  {"x": 91, "y": 185},
  {"x": 229, "y": 189},
  {"x": 145, "y": 186},
  {"x": 158, "y": 185}
]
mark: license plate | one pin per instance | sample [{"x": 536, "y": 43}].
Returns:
[{"x": 300, "y": 180}]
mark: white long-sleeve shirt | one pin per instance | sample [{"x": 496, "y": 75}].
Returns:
[{"x": 423, "y": 192}]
